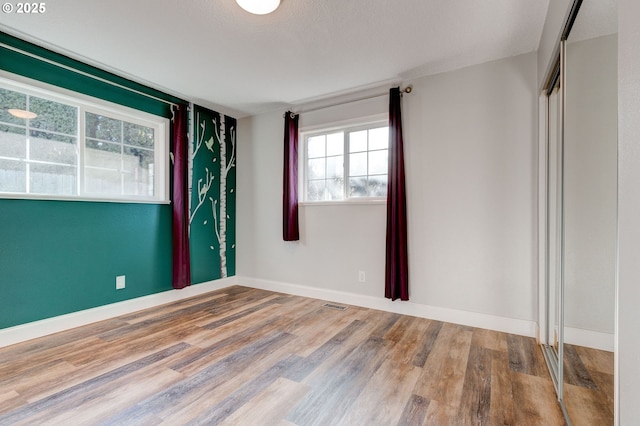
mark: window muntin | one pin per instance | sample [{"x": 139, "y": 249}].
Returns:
[
  {"x": 76, "y": 149},
  {"x": 346, "y": 163}
]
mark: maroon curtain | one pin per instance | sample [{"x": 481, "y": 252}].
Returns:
[
  {"x": 397, "y": 265},
  {"x": 290, "y": 230},
  {"x": 180, "y": 198}
]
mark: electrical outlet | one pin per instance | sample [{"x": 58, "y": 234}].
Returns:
[
  {"x": 361, "y": 276},
  {"x": 120, "y": 282}
]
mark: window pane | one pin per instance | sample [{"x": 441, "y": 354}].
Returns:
[
  {"x": 52, "y": 148},
  {"x": 103, "y": 154},
  {"x": 358, "y": 187},
  {"x": 377, "y": 186},
  {"x": 53, "y": 116},
  {"x": 12, "y": 100},
  {"x": 335, "y": 144},
  {"x": 334, "y": 189},
  {"x": 335, "y": 167},
  {"x": 315, "y": 190},
  {"x": 378, "y": 162},
  {"x": 379, "y": 138},
  {"x": 98, "y": 181},
  {"x": 136, "y": 158},
  {"x": 137, "y": 135},
  {"x": 358, "y": 164},
  {"x": 316, "y": 169},
  {"x": 105, "y": 128},
  {"x": 135, "y": 184},
  {"x": 13, "y": 142},
  {"x": 138, "y": 163},
  {"x": 315, "y": 147},
  {"x": 358, "y": 141},
  {"x": 52, "y": 179},
  {"x": 13, "y": 176}
]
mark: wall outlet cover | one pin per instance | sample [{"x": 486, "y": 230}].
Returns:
[{"x": 120, "y": 282}]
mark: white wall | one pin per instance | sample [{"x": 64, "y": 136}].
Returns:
[
  {"x": 628, "y": 297},
  {"x": 470, "y": 138},
  {"x": 590, "y": 180},
  {"x": 335, "y": 241}
]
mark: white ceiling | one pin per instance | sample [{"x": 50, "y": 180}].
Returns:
[{"x": 214, "y": 53}]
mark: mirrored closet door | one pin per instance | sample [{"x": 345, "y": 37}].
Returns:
[{"x": 582, "y": 214}]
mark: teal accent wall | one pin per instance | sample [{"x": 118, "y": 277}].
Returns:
[
  {"x": 212, "y": 226},
  {"x": 12, "y": 60},
  {"x": 58, "y": 257}
]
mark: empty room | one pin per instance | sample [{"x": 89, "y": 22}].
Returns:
[{"x": 294, "y": 212}]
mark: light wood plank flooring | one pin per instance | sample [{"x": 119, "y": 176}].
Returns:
[
  {"x": 588, "y": 388},
  {"x": 242, "y": 356}
]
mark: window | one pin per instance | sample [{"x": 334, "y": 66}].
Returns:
[
  {"x": 60, "y": 147},
  {"x": 346, "y": 163}
]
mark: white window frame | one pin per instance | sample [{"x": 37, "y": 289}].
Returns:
[
  {"x": 86, "y": 104},
  {"x": 362, "y": 123}
]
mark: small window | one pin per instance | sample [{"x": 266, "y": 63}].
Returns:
[
  {"x": 346, "y": 163},
  {"x": 54, "y": 146}
]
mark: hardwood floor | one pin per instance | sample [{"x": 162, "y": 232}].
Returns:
[
  {"x": 243, "y": 356},
  {"x": 588, "y": 379}
]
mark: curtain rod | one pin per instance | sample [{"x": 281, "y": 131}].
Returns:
[
  {"x": 86, "y": 74},
  {"x": 407, "y": 89}
]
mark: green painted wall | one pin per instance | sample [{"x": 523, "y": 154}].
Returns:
[
  {"x": 212, "y": 227},
  {"x": 62, "y": 76},
  {"x": 58, "y": 257}
]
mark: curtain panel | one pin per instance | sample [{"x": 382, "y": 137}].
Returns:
[
  {"x": 290, "y": 227},
  {"x": 181, "y": 276},
  {"x": 396, "y": 265}
]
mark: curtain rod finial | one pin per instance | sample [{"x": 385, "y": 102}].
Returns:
[{"x": 408, "y": 89}]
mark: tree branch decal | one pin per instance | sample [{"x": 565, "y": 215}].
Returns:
[
  {"x": 200, "y": 138},
  {"x": 203, "y": 190}
]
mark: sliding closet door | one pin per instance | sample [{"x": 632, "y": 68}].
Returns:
[
  {"x": 553, "y": 276},
  {"x": 590, "y": 213}
]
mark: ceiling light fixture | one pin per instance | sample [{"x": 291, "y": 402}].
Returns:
[
  {"x": 20, "y": 113},
  {"x": 259, "y": 7}
]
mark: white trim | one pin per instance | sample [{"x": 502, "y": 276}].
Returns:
[
  {"x": 329, "y": 127},
  {"x": 589, "y": 338},
  {"x": 348, "y": 202},
  {"x": 542, "y": 218},
  {"x": 32, "y": 330},
  {"x": 473, "y": 319}
]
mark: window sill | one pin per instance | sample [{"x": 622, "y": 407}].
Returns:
[
  {"x": 43, "y": 197},
  {"x": 352, "y": 202}
]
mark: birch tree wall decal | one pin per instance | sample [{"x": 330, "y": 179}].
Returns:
[
  {"x": 213, "y": 161},
  {"x": 220, "y": 221}
]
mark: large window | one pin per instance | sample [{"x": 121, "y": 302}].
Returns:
[
  {"x": 346, "y": 163},
  {"x": 59, "y": 147}
]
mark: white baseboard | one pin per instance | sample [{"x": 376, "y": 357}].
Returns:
[
  {"x": 589, "y": 338},
  {"x": 473, "y": 319},
  {"x": 32, "y": 330}
]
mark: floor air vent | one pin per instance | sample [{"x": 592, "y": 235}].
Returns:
[{"x": 332, "y": 306}]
